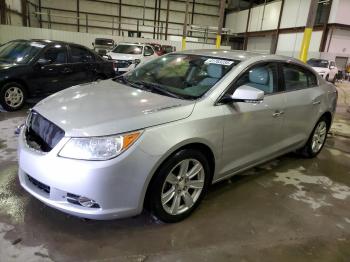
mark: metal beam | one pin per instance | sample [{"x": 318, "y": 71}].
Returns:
[
  {"x": 40, "y": 17},
  {"x": 120, "y": 17},
  {"x": 78, "y": 9},
  {"x": 3, "y": 12},
  {"x": 155, "y": 18},
  {"x": 325, "y": 28},
  {"x": 245, "y": 42},
  {"x": 275, "y": 42},
  {"x": 167, "y": 19},
  {"x": 221, "y": 21}
]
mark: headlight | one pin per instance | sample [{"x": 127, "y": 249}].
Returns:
[
  {"x": 98, "y": 148},
  {"x": 136, "y": 61}
]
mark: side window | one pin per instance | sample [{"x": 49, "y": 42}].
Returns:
[
  {"x": 148, "y": 51},
  {"x": 296, "y": 77},
  {"x": 81, "y": 55},
  {"x": 55, "y": 55},
  {"x": 262, "y": 76}
]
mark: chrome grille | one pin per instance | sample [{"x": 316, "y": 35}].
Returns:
[{"x": 41, "y": 134}]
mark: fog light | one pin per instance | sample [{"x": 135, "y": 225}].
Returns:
[{"x": 87, "y": 202}]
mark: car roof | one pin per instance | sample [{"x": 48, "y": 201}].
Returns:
[
  {"x": 239, "y": 55},
  {"x": 45, "y": 41}
]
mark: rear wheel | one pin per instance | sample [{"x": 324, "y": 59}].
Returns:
[
  {"x": 179, "y": 186},
  {"x": 317, "y": 139},
  {"x": 12, "y": 96}
]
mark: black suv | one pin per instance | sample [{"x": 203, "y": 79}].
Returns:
[{"x": 38, "y": 68}]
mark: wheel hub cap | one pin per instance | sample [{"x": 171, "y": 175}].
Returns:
[
  {"x": 319, "y": 137},
  {"x": 13, "y": 96},
  {"x": 183, "y": 186}
]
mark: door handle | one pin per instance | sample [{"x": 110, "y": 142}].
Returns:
[
  {"x": 278, "y": 113},
  {"x": 67, "y": 70},
  {"x": 316, "y": 102}
]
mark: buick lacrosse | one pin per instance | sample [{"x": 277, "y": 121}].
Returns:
[{"x": 158, "y": 136}]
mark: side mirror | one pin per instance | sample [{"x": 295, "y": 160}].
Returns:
[
  {"x": 147, "y": 54},
  {"x": 44, "y": 62},
  {"x": 105, "y": 57},
  {"x": 331, "y": 67},
  {"x": 245, "y": 94}
]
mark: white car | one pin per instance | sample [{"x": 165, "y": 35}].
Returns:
[
  {"x": 127, "y": 56},
  {"x": 325, "y": 68}
]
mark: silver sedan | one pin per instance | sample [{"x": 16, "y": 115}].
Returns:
[{"x": 158, "y": 136}]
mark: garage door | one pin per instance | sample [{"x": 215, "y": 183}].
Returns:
[{"x": 341, "y": 62}]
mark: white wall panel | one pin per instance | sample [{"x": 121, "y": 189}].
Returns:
[
  {"x": 271, "y": 15},
  {"x": 261, "y": 44},
  {"x": 340, "y": 12},
  {"x": 237, "y": 21},
  {"x": 290, "y": 44},
  {"x": 340, "y": 42},
  {"x": 295, "y": 13}
]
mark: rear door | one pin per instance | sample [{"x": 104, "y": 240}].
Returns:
[
  {"x": 82, "y": 63},
  {"x": 252, "y": 131},
  {"x": 303, "y": 100}
]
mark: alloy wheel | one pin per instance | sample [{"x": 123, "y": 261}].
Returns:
[
  {"x": 319, "y": 137},
  {"x": 14, "y": 96},
  {"x": 182, "y": 186}
]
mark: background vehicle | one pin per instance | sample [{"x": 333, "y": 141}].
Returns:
[
  {"x": 103, "y": 45},
  {"x": 157, "y": 48},
  {"x": 165, "y": 131},
  {"x": 37, "y": 68},
  {"x": 127, "y": 56},
  {"x": 166, "y": 49},
  {"x": 325, "y": 68}
]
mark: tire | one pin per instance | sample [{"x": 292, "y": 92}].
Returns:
[
  {"x": 100, "y": 77},
  {"x": 12, "y": 96},
  {"x": 174, "y": 195},
  {"x": 316, "y": 140},
  {"x": 327, "y": 78}
]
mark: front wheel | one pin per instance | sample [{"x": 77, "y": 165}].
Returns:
[
  {"x": 317, "y": 139},
  {"x": 179, "y": 186},
  {"x": 12, "y": 96}
]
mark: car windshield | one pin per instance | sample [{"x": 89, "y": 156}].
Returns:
[
  {"x": 180, "y": 75},
  {"x": 19, "y": 52},
  {"x": 128, "y": 49},
  {"x": 108, "y": 42},
  {"x": 318, "y": 63}
]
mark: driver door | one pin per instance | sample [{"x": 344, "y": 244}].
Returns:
[
  {"x": 252, "y": 131},
  {"x": 51, "y": 77}
]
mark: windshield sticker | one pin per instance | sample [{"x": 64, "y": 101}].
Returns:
[
  {"x": 218, "y": 62},
  {"x": 37, "y": 45}
]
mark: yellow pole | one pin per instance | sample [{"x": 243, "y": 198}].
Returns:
[
  {"x": 184, "y": 32},
  {"x": 218, "y": 41},
  {"x": 305, "y": 44},
  {"x": 183, "y": 43},
  {"x": 308, "y": 30}
]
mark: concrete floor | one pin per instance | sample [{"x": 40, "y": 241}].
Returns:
[{"x": 289, "y": 209}]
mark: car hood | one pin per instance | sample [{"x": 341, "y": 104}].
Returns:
[
  {"x": 108, "y": 107},
  {"x": 320, "y": 69},
  {"x": 119, "y": 56},
  {"x": 6, "y": 66}
]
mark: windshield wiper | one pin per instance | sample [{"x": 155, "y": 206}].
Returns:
[{"x": 158, "y": 88}]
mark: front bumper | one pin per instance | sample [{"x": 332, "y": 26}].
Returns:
[{"x": 117, "y": 185}]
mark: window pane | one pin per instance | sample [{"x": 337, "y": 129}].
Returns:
[
  {"x": 182, "y": 74},
  {"x": 262, "y": 77},
  {"x": 312, "y": 79},
  {"x": 56, "y": 55},
  {"x": 294, "y": 77},
  {"x": 80, "y": 55}
]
